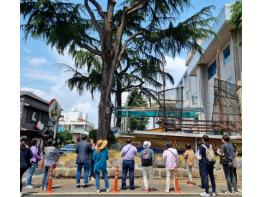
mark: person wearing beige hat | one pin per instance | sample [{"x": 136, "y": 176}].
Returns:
[
  {"x": 147, "y": 157},
  {"x": 100, "y": 157}
]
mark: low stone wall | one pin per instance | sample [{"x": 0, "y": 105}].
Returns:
[{"x": 159, "y": 173}]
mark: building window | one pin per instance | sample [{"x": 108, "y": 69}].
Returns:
[
  {"x": 194, "y": 99},
  {"x": 212, "y": 70},
  {"x": 227, "y": 55},
  {"x": 187, "y": 95}
]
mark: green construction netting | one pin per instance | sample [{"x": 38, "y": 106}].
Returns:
[{"x": 141, "y": 114}]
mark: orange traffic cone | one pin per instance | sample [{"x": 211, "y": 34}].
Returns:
[
  {"x": 176, "y": 182},
  {"x": 49, "y": 188},
  {"x": 115, "y": 182}
]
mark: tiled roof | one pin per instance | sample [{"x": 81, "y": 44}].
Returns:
[{"x": 28, "y": 93}]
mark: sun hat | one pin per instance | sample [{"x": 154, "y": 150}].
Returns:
[
  {"x": 146, "y": 144},
  {"x": 101, "y": 144}
]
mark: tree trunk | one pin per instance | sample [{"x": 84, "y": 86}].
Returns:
[
  {"x": 105, "y": 105},
  {"x": 118, "y": 102}
]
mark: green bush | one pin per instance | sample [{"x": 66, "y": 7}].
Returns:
[{"x": 65, "y": 137}]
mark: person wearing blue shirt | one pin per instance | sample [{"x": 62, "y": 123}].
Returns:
[{"x": 100, "y": 157}]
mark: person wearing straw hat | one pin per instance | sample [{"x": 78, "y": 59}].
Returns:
[
  {"x": 100, "y": 157},
  {"x": 147, "y": 157}
]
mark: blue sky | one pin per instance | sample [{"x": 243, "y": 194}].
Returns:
[{"x": 39, "y": 74}]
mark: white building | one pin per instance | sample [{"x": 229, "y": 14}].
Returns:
[
  {"x": 76, "y": 122},
  {"x": 222, "y": 59}
]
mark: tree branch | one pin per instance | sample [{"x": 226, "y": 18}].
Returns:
[
  {"x": 126, "y": 44},
  {"x": 133, "y": 86},
  {"x": 128, "y": 10},
  {"x": 125, "y": 69},
  {"x": 137, "y": 6},
  {"x": 93, "y": 19},
  {"x": 89, "y": 48},
  {"x": 97, "y": 5}
]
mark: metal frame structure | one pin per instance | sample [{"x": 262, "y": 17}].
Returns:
[{"x": 172, "y": 116}]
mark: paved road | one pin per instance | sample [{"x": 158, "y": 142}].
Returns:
[
  {"x": 119, "y": 195},
  {"x": 67, "y": 188}
]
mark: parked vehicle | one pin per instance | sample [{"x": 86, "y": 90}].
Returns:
[{"x": 68, "y": 148}]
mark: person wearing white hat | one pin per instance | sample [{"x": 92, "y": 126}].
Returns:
[{"x": 147, "y": 157}]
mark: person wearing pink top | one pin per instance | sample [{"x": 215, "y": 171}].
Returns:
[{"x": 170, "y": 157}]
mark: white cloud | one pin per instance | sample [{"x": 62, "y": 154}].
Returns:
[
  {"x": 37, "y": 61},
  {"x": 28, "y": 51},
  {"x": 176, "y": 67},
  {"x": 65, "y": 59},
  {"x": 41, "y": 75}
]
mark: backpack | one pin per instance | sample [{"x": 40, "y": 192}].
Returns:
[
  {"x": 210, "y": 154},
  {"x": 146, "y": 158}
]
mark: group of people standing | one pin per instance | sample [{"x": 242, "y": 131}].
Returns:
[
  {"x": 206, "y": 156},
  {"x": 92, "y": 157},
  {"x": 128, "y": 153},
  {"x": 30, "y": 157},
  {"x": 228, "y": 159}
]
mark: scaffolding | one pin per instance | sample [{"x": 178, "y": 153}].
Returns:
[
  {"x": 226, "y": 115},
  {"x": 168, "y": 111}
]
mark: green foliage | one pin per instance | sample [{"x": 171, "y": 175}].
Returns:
[
  {"x": 65, "y": 25},
  {"x": 94, "y": 39},
  {"x": 93, "y": 133},
  {"x": 136, "y": 99},
  {"x": 65, "y": 137},
  {"x": 236, "y": 16}
]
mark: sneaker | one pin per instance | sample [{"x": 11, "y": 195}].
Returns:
[
  {"x": 213, "y": 194},
  {"x": 239, "y": 192},
  {"x": 132, "y": 188},
  {"x": 108, "y": 190},
  {"x": 85, "y": 185},
  {"x": 227, "y": 193},
  {"x": 78, "y": 185},
  {"x": 204, "y": 194},
  {"x": 123, "y": 188},
  {"x": 21, "y": 194},
  {"x": 98, "y": 190},
  {"x": 166, "y": 191},
  {"x": 92, "y": 179},
  {"x": 146, "y": 190},
  {"x": 29, "y": 187}
]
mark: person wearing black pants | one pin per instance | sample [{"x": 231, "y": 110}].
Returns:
[
  {"x": 227, "y": 154},
  {"x": 202, "y": 186},
  {"x": 25, "y": 157},
  {"x": 207, "y": 168}
]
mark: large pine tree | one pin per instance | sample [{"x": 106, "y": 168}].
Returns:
[{"x": 107, "y": 30}]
